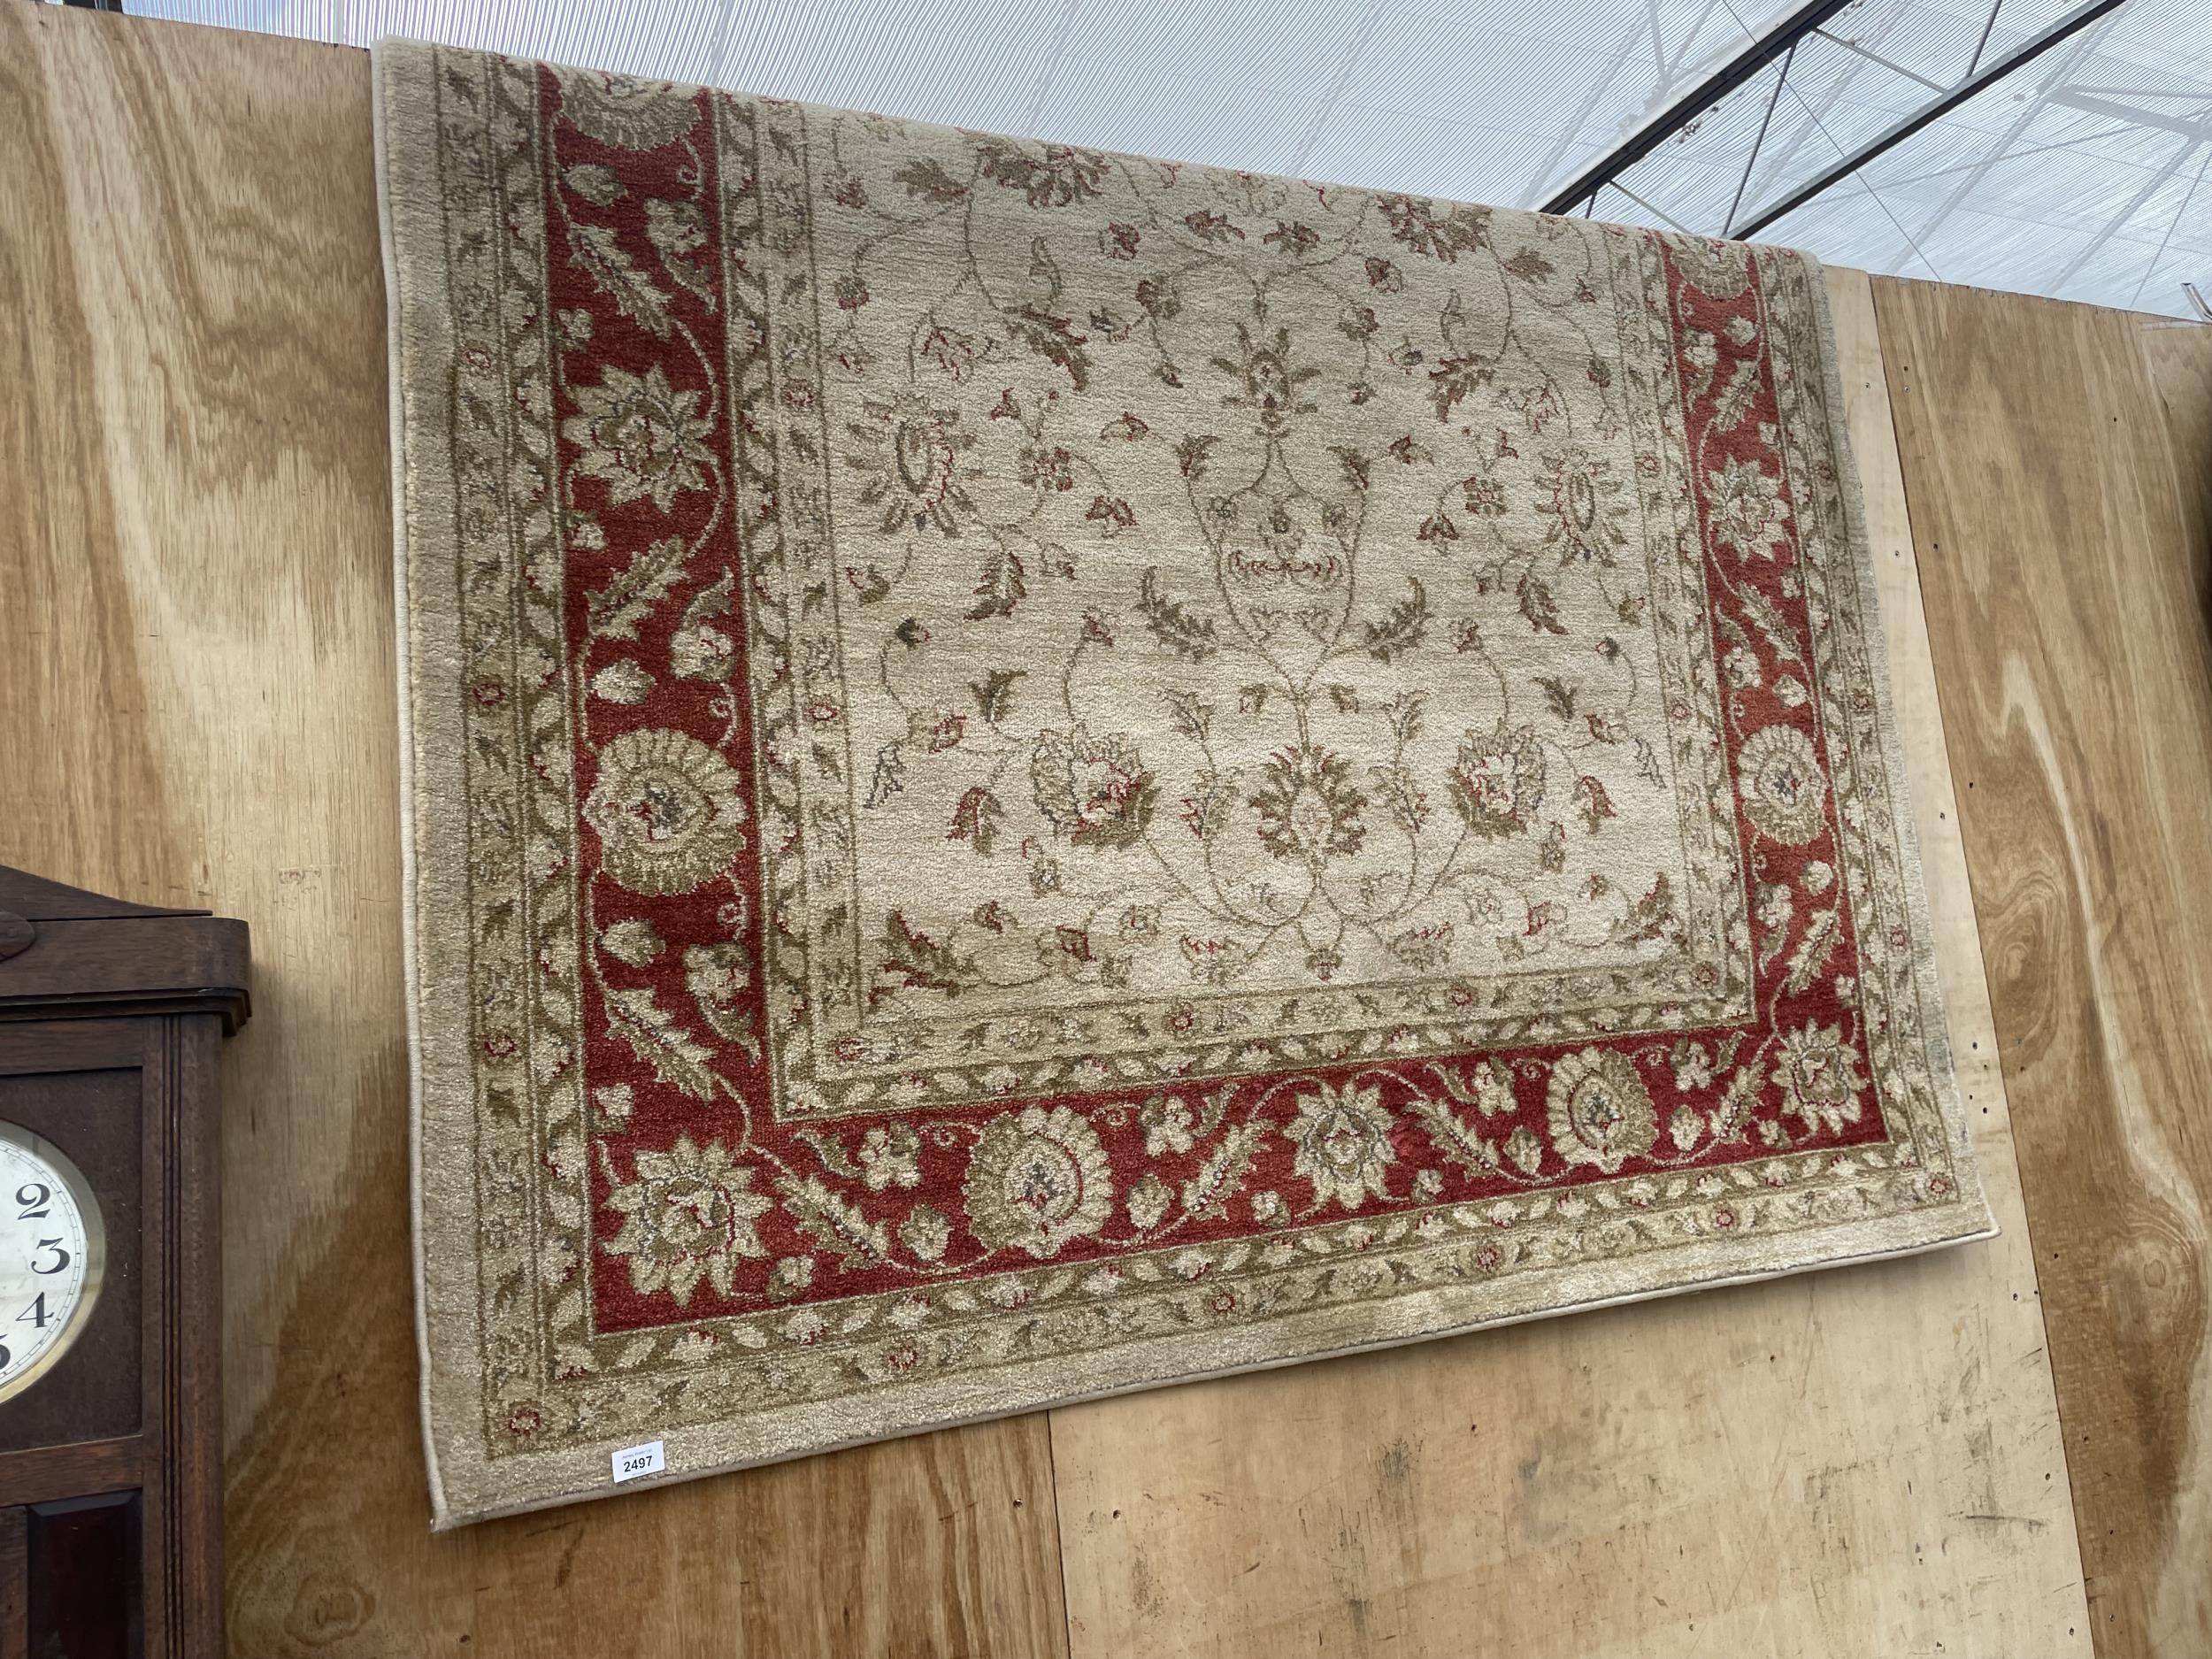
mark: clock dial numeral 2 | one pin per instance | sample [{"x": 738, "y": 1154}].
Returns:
[{"x": 34, "y": 1196}]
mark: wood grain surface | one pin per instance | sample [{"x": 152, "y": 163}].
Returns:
[
  {"x": 2179, "y": 357},
  {"x": 1859, "y": 1461},
  {"x": 198, "y": 677},
  {"x": 1863, "y": 1461},
  {"x": 2058, "y": 505}
]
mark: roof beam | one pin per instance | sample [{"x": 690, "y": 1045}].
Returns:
[
  {"x": 2024, "y": 116},
  {"x": 1747, "y": 64},
  {"x": 2150, "y": 187},
  {"x": 1875, "y": 58},
  {"x": 1979, "y": 82},
  {"x": 2130, "y": 113}
]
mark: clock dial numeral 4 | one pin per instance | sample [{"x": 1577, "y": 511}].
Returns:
[{"x": 50, "y": 1251}]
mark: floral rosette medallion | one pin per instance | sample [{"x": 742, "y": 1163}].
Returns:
[{"x": 1032, "y": 771}]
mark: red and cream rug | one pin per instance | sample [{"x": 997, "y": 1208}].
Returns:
[{"x": 1033, "y": 772}]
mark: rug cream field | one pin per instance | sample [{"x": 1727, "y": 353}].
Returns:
[{"x": 1033, "y": 773}]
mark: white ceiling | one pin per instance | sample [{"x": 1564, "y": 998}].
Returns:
[{"x": 2085, "y": 175}]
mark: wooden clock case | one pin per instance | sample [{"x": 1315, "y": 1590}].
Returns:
[{"x": 111, "y": 1019}]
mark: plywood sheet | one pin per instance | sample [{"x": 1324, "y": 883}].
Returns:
[
  {"x": 1858, "y": 1461},
  {"x": 2059, "y": 508},
  {"x": 198, "y": 685},
  {"x": 199, "y": 674},
  {"x": 2179, "y": 357}
]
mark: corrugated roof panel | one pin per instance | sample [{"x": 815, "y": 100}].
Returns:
[
  {"x": 1427, "y": 154},
  {"x": 2086, "y": 173}
]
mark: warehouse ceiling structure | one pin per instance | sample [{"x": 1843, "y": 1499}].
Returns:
[{"x": 2055, "y": 147}]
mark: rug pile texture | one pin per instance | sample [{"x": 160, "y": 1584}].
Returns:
[{"x": 1032, "y": 773}]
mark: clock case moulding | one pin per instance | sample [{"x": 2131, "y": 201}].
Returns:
[{"x": 112, "y": 1016}]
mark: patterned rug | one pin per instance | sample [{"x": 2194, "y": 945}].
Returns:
[{"x": 1033, "y": 772}]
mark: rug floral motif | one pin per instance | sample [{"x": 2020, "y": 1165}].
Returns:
[{"x": 1033, "y": 772}]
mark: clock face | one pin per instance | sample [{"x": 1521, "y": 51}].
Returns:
[{"x": 51, "y": 1253}]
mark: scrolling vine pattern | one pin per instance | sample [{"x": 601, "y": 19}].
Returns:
[{"x": 1280, "y": 703}]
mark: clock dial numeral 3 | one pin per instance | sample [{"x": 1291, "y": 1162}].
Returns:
[{"x": 51, "y": 1256}]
